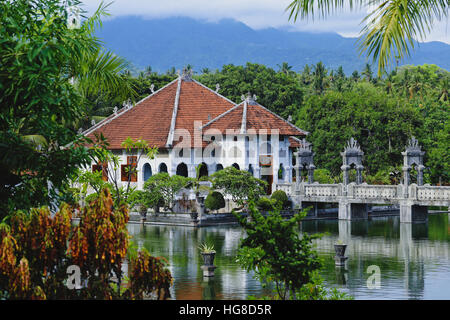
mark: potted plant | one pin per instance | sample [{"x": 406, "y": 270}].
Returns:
[
  {"x": 339, "y": 248},
  {"x": 208, "y": 254}
]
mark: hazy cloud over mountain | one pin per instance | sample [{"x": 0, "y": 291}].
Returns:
[{"x": 257, "y": 14}]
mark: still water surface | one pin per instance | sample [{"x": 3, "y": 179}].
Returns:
[{"x": 414, "y": 259}]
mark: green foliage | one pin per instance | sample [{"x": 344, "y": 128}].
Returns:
[
  {"x": 323, "y": 176},
  {"x": 240, "y": 185},
  {"x": 275, "y": 251},
  {"x": 45, "y": 68},
  {"x": 280, "y": 199},
  {"x": 161, "y": 188},
  {"x": 214, "y": 201},
  {"x": 265, "y": 204},
  {"x": 206, "y": 248},
  {"x": 278, "y": 91}
]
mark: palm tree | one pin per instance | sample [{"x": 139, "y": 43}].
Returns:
[
  {"x": 367, "y": 72},
  {"x": 391, "y": 27},
  {"x": 319, "y": 75},
  {"x": 285, "y": 68},
  {"x": 443, "y": 93}
]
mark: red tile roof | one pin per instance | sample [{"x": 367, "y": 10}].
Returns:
[
  {"x": 151, "y": 118},
  {"x": 257, "y": 118}
]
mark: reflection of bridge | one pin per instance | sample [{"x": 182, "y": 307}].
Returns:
[
  {"x": 408, "y": 247},
  {"x": 354, "y": 198}
]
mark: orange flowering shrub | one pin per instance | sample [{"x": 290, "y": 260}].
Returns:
[
  {"x": 149, "y": 274},
  {"x": 37, "y": 249}
]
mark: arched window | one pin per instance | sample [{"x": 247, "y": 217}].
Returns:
[
  {"x": 203, "y": 170},
  {"x": 219, "y": 167},
  {"x": 182, "y": 170},
  {"x": 250, "y": 169},
  {"x": 147, "y": 171},
  {"x": 236, "y": 166},
  {"x": 163, "y": 167}
]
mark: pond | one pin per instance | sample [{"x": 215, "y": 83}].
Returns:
[{"x": 413, "y": 259}]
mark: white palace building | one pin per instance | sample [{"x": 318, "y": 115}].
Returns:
[{"x": 192, "y": 124}]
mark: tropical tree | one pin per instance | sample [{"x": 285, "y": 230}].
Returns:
[
  {"x": 47, "y": 67},
  {"x": 389, "y": 30},
  {"x": 240, "y": 185}
]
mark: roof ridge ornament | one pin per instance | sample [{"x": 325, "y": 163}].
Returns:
[
  {"x": 187, "y": 74},
  {"x": 217, "y": 87},
  {"x": 251, "y": 99},
  {"x": 152, "y": 88}
]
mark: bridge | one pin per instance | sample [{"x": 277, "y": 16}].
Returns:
[{"x": 355, "y": 197}]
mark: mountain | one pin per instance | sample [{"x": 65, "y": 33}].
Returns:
[{"x": 176, "y": 42}]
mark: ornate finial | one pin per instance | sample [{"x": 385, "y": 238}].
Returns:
[
  {"x": 305, "y": 145},
  {"x": 243, "y": 97},
  {"x": 255, "y": 97},
  {"x": 187, "y": 74},
  {"x": 93, "y": 122},
  {"x": 80, "y": 130},
  {"x": 353, "y": 145},
  {"x": 115, "y": 110},
  {"x": 289, "y": 118},
  {"x": 217, "y": 87},
  {"x": 152, "y": 88},
  {"x": 251, "y": 99},
  {"x": 413, "y": 145}
]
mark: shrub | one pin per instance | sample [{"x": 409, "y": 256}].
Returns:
[
  {"x": 91, "y": 197},
  {"x": 215, "y": 201},
  {"x": 265, "y": 204},
  {"x": 280, "y": 198}
]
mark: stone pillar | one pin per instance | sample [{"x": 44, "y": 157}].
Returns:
[
  {"x": 411, "y": 213},
  {"x": 311, "y": 169},
  {"x": 345, "y": 169},
  {"x": 359, "y": 170},
  {"x": 352, "y": 211},
  {"x": 420, "y": 175},
  {"x": 191, "y": 171},
  {"x": 297, "y": 174},
  {"x": 406, "y": 178}
]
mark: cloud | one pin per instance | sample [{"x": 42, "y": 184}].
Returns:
[{"x": 257, "y": 14}]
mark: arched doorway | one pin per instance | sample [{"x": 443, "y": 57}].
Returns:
[
  {"x": 147, "y": 171},
  {"x": 163, "y": 167},
  {"x": 236, "y": 166},
  {"x": 203, "y": 170},
  {"x": 219, "y": 167},
  {"x": 250, "y": 169},
  {"x": 182, "y": 170}
]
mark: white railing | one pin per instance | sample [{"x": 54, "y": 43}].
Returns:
[
  {"x": 375, "y": 191},
  {"x": 286, "y": 187},
  {"x": 321, "y": 190},
  {"x": 433, "y": 193}
]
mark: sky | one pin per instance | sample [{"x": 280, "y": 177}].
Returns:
[{"x": 257, "y": 14}]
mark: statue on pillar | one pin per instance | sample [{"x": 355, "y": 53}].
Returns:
[
  {"x": 352, "y": 155},
  {"x": 305, "y": 158},
  {"x": 413, "y": 155}
]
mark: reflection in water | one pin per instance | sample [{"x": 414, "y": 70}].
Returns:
[{"x": 413, "y": 258}]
